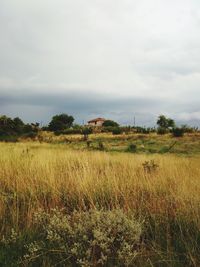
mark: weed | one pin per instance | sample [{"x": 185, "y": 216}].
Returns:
[{"x": 150, "y": 166}]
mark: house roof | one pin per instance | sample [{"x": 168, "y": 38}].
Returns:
[{"x": 97, "y": 119}]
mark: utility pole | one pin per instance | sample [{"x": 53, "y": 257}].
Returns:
[{"x": 134, "y": 121}]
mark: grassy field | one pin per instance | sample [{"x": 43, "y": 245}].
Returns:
[
  {"x": 156, "y": 185},
  {"x": 145, "y": 143}
]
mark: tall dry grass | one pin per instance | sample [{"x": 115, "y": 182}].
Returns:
[{"x": 34, "y": 176}]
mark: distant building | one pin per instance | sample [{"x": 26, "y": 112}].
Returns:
[{"x": 96, "y": 122}]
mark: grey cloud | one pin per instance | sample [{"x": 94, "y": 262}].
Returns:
[
  {"x": 83, "y": 106},
  {"x": 118, "y": 57}
]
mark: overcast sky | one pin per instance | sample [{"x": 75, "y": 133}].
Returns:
[{"x": 110, "y": 58}]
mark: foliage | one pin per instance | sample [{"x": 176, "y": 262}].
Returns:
[
  {"x": 9, "y": 138},
  {"x": 69, "y": 131},
  {"x": 132, "y": 148},
  {"x": 107, "y": 129},
  {"x": 162, "y": 131},
  {"x": 116, "y": 131},
  {"x": 11, "y": 129},
  {"x": 126, "y": 129},
  {"x": 165, "y": 123},
  {"x": 110, "y": 123},
  {"x": 44, "y": 176},
  {"x": 150, "y": 166},
  {"x": 60, "y": 122},
  {"x": 188, "y": 129},
  {"x": 18, "y": 125},
  {"x": 30, "y": 134},
  {"x": 86, "y": 131},
  {"x": 178, "y": 132},
  {"x": 94, "y": 238},
  {"x": 101, "y": 145},
  {"x": 144, "y": 130},
  {"x": 7, "y": 126}
]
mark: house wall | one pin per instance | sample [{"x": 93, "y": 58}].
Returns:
[{"x": 98, "y": 123}]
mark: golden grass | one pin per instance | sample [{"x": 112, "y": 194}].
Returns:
[{"x": 36, "y": 176}]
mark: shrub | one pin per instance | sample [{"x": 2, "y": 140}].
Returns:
[
  {"x": 162, "y": 131},
  {"x": 101, "y": 145},
  {"x": 110, "y": 123},
  {"x": 178, "y": 132},
  {"x": 132, "y": 148},
  {"x": 69, "y": 131},
  {"x": 86, "y": 131},
  {"x": 144, "y": 130},
  {"x": 60, "y": 122},
  {"x": 89, "y": 142},
  {"x": 150, "y": 166},
  {"x": 116, "y": 131},
  {"x": 31, "y": 135},
  {"x": 108, "y": 129},
  {"x": 93, "y": 238},
  {"x": 164, "y": 122},
  {"x": 126, "y": 129},
  {"x": 8, "y": 138}
]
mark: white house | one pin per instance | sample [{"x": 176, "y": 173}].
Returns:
[{"x": 96, "y": 122}]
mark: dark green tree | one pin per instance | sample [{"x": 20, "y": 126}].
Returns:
[
  {"x": 6, "y": 125},
  {"x": 171, "y": 123},
  {"x": 165, "y": 123},
  {"x": 18, "y": 125},
  {"x": 110, "y": 123},
  {"x": 61, "y": 122}
]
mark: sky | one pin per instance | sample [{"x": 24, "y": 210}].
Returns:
[{"x": 117, "y": 59}]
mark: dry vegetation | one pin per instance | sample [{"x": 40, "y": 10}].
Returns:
[{"x": 161, "y": 191}]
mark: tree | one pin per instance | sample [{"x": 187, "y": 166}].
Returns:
[
  {"x": 110, "y": 123},
  {"x": 171, "y": 123},
  {"x": 18, "y": 125},
  {"x": 116, "y": 131},
  {"x": 165, "y": 123},
  {"x": 6, "y": 125},
  {"x": 86, "y": 131},
  {"x": 61, "y": 122}
]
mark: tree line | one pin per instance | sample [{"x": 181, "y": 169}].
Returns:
[{"x": 64, "y": 124}]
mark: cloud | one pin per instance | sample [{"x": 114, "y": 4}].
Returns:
[
  {"x": 86, "y": 105},
  {"x": 113, "y": 58},
  {"x": 83, "y": 105}
]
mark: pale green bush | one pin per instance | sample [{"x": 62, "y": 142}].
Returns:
[{"x": 94, "y": 238}]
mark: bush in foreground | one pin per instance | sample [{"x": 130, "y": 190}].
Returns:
[{"x": 93, "y": 238}]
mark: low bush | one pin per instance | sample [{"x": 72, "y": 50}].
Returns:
[
  {"x": 116, "y": 131},
  {"x": 110, "y": 123},
  {"x": 107, "y": 129},
  {"x": 86, "y": 131},
  {"x": 31, "y": 135},
  {"x": 162, "y": 130},
  {"x": 132, "y": 148},
  {"x": 93, "y": 238},
  {"x": 101, "y": 145},
  {"x": 178, "y": 132},
  {"x": 9, "y": 138},
  {"x": 150, "y": 166},
  {"x": 69, "y": 131}
]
